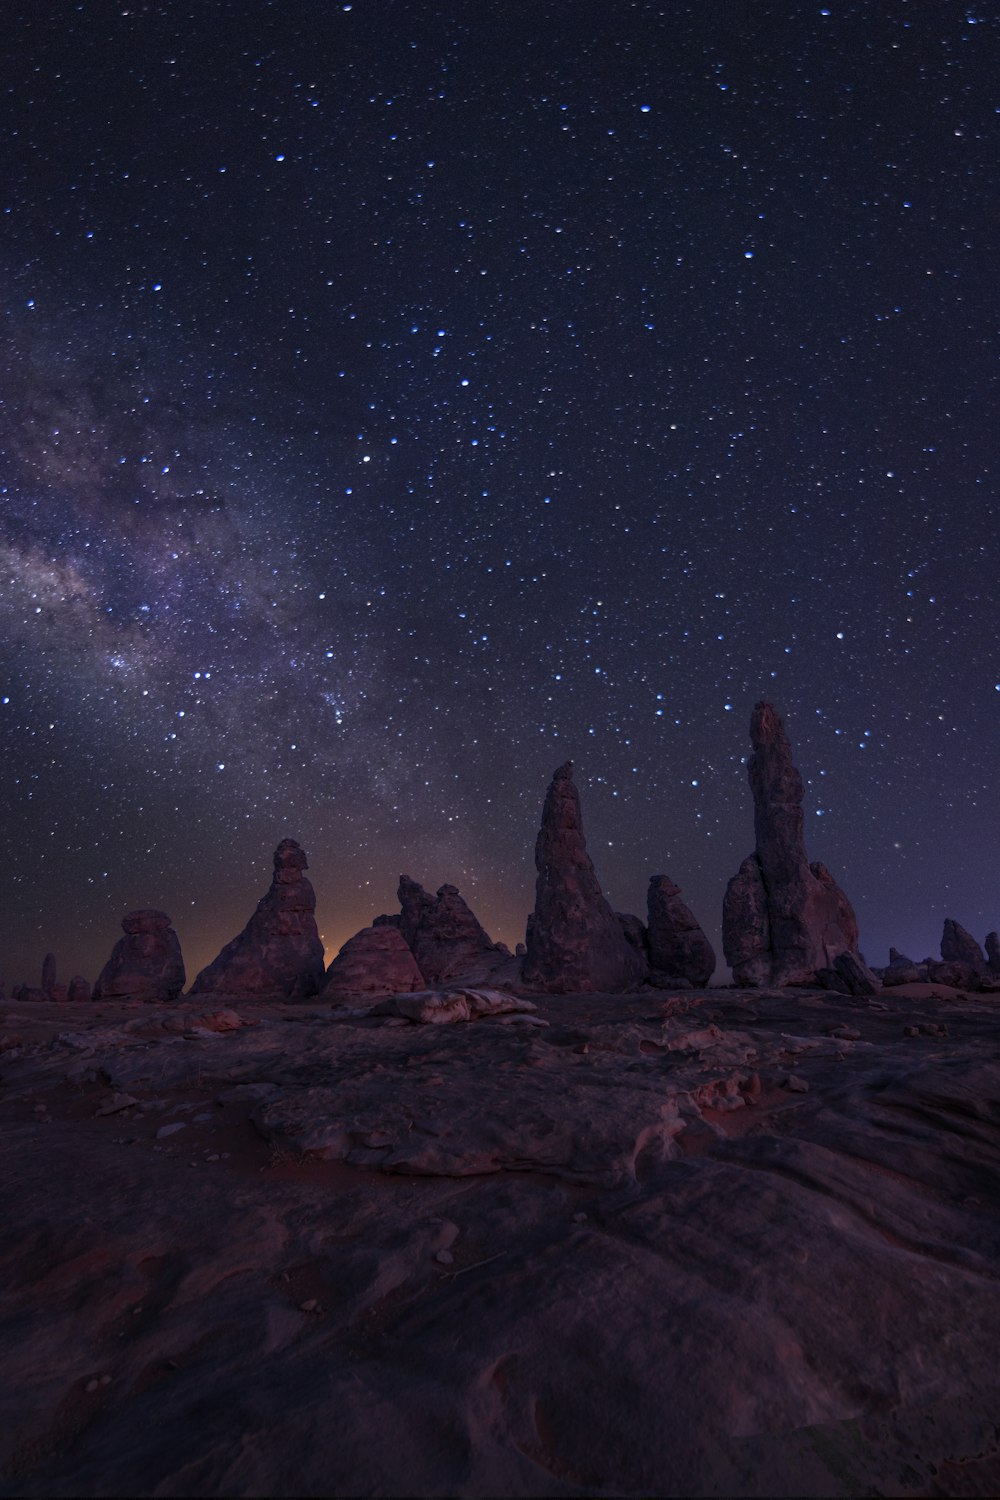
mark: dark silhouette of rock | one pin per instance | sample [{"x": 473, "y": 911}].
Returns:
[
  {"x": 79, "y": 989},
  {"x": 49, "y": 972},
  {"x": 575, "y": 942},
  {"x": 146, "y": 963},
  {"x": 850, "y": 975},
  {"x": 993, "y": 952},
  {"x": 375, "y": 961},
  {"x": 58, "y": 994},
  {"x": 959, "y": 946},
  {"x": 677, "y": 945},
  {"x": 810, "y": 921},
  {"x": 444, "y": 935},
  {"x": 954, "y": 972},
  {"x": 634, "y": 932},
  {"x": 746, "y": 925},
  {"x": 278, "y": 954},
  {"x": 520, "y": 950},
  {"x": 387, "y": 919},
  {"x": 902, "y": 970}
]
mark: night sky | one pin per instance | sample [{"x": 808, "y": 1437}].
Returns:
[{"x": 399, "y": 399}]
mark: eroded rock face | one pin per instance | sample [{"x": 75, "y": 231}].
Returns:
[
  {"x": 278, "y": 954},
  {"x": 145, "y": 964},
  {"x": 959, "y": 946},
  {"x": 746, "y": 925},
  {"x": 575, "y": 941},
  {"x": 443, "y": 933},
  {"x": 677, "y": 944},
  {"x": 49, "y": 972},
  {"x": 79, "y": 988},
  {"x": 634, "y": 932},
  {"x": 810, "y": 921},
  {"x": 375, "y": 961}
]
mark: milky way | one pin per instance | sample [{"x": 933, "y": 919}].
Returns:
[{"x": 399, "y": 400}]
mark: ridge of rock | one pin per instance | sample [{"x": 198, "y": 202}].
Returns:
[{"x": 145, "y": 964}]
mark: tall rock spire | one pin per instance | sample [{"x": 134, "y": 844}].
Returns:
[
  {"x": 575, "y": 940},
  {"x": 783, "y": 918}
]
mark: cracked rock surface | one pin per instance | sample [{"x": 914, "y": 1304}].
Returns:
[{"x": 607, "y": 1246}]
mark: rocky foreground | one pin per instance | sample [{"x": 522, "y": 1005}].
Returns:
[{"x": 710, "y": 1242}]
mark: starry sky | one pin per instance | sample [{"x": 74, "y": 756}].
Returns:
[{"x": 402, "y": 398}]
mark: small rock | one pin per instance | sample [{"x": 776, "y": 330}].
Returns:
[
  {"x": 444, "y": 1258},
  {"x": 309, "y": 1306},
  {"x": 845, "y": 1033},
  {"x": 203, "y": 1119},
  {"x": 796, "y": 1084},
  {"x": 579, "y": 1218},
  {"x": 166, "y": 1130},
  {"x": 115, "y": 1103},
  {"x": 105, "y": 1379},
  {"x": 92, "y": 1386}
]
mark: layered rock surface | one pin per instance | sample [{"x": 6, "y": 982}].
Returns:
[
  {"x": 784, "y": 920},
  {"x": 279, "y": 953},
  {"x": 575, "y": 941},
  {"x": 960, "y": 947},
  {"x": 674, "y": 937},
  {"x": 145, "y": 964},
  {"x": 768, "y": 1220},
  {"x": 375, "y": 961}
]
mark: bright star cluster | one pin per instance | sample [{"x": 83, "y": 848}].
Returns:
[{"x": 399, "y": 401}]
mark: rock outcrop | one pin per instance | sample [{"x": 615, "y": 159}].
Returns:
[
  {"x": 444, "y": 935},
  {"x": 574, "y": 940},
  {"x": 278, "y": 955},
  {"x": 49, "y": 973},
  {"x": 375, "y": 961},
  {"x": 959, "y": 947},
  {"x": 79, "y": 988},
  {"x": 993, "y": 952},
  {"x": 676, "y": 943},
  {"x": 145, "y": 964},
  {"x": 784, "y": 920},
  {"x": 634, "y": 933}
]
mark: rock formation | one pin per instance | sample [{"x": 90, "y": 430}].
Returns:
[
  {"x": 444, "y": 935},
  {"x": 676, "y": 943},
  {"x": 634, "y": 932},
  {"x": 278, "y": 954},
  {"x": 960, "y": 947},
  {"x": 49, "y": 972},
  {"x": 375, "y": 961},
  {"x": 146, "y": 963},
  {"x": 993, "y": 952},
  {"x": 783, "y": 919},
  {"x": 79, "y": 988},
  {"x": 574, "y": 940}
]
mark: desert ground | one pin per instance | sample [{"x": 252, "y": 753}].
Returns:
[{"x": 706, "y": 1242}]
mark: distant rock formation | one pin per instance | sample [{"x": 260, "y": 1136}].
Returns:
[
  {"x": 903, "y": 970},
  {"x": 676, "y": 943},
  {"x": 79, "y": 989},
  {"x": 49, "y": 973},
  {"x": 959, "y": 947},
  {"x": 993, "y": 952},
  {"x": 145, "y": 964},
  {"x": 278, "y": 954},
  {"x": 445, "y": 937},
  {"x": 783, "y": 919},
  {"x": 574, "y": 940},
  {"x": 375, "y": 961}
]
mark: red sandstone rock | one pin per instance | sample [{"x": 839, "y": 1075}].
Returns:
[
  {"x": 746, "y": 925},
  {"x": 49, "y": 972},
  {"x": 677, "y": 945},
  {"x": 575, "y": 941},
  {"x": 375, "y": 961},
  {"x": 810, "y": 921},
  {"x": 79, "y": 988},
  {"x": 634, "y": 932},
  {"x": 278, "y": 954},
  {"x": 959, "y": 946},
  {"x": 444, "y": 935},
  {"x": 145, "y": 964}
]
